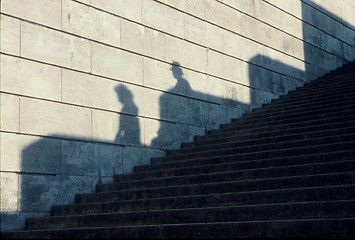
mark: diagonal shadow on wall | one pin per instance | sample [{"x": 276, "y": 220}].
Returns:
[{"x": 42, "y": 182}]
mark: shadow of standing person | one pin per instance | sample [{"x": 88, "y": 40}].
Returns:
[
  {"x": 166, "y": 137},
  {"x": 129, "y": 129}
]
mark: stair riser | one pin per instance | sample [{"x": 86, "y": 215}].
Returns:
[
  {"x": 330, "y": 81},
  {"x": 238, "y": 166},
  {"x": 336, "y": 228},
  {"x": 259, "y": 153},
  {"x": 326, "y": 83},
  {"x": 278, "y": 143},
  {"x": 278, "y": 117},
  {"x": 260, "y": 148},
  {"x": 274, "y": 140},
  {"x": 287, "y": 101},
  {"x": 231, "y": 176},
  {"x": 213, "y": 200},
  {"x": 298, "y": 136},
  {"x": 206, "y": 215},
  {"x": 250, "y": 167},
  {"x": 272, "y": 131},
  {"x": 254, "y": 185},
  {"x": 294, "y": 181},
  {"x": 330, "y": 103},
  {"x": 315, "y": 95},
  {"x": 324, "y": 90},
  {"x": 235, "y": 159},
  {"x": 278, "y": 121}
]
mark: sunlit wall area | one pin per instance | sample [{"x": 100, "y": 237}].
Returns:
[{"x": 92, "y": 88}]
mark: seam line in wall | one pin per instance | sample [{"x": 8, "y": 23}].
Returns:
[
  {"x": 20, "y": 37},
  {"x": 61, "y": 85},
  {"x": 19, "y": 114},
  {"x": 139, "y": 54},
  {"x": 152, "y": 88}
]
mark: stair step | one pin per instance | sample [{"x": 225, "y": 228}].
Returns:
[
  {"x": 248, "y": 158},
  {"x": 302, "y": 100},
  {"x": 279, "y": 142},
  {"x": 284, "y": 170},
  {"x": 292, "y": 113},
  {"x": 299, "y": 107},
  {"x": 287, "y": 211},
  {"x": 302, "y": 97},
  {"x": 272, "y": 172},
  {"x": 257, "y": 147},
  {"x": 326, "y": 88},
  {"x": 323, "y": 193},
  {"x": 329, "y": 81},
  {"x": 292, "y": 121},
  {"x": 282, "y": 130},
  {"x": 327, "y": 227},
  {"x": 249, "y": 169},
  {"x": 248, "y": 139},
  {"x": 259, "y": 152},
  {"x": 221, "y": 187},
  {"x": 330, "y": 134},
  {"x": 326, "y": 84}
]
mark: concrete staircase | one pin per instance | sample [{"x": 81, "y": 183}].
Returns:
[{"x": 284, "y": 170}]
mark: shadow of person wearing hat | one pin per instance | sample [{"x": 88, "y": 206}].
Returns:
[
  {"x": 165, "y": 138},
  {"x": 182, "y": 85}
]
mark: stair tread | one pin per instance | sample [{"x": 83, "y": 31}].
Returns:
[
  {"x": 205, "y": 214},
  {"x": 286, "y": 169},
  {"x": 349, "y": 180},
  {"x": 309, "y": 227},
  {"x": 241, "y": 171}
]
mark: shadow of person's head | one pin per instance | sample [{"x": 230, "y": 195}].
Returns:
[
  {"x": 176, "y": 69},
  {"x": 123, "y": 93}
]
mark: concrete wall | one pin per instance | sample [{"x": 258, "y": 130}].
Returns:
[{"x": 91, "y": 88}]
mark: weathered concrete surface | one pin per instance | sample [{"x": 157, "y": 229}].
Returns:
[
  {"x": 105, "y": 85},
  {"x": 30, "y": 78},
  {"x": 46, "y": 118},
  {"x": 9, "y": 111},
  {"x": 54, "y": 47},
  {"x": 10, "y": 35}
]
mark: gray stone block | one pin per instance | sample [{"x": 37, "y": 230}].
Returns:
[
  {"x": 43, "y": 155},
  {"x": 134, "y": 156},
  {"x": 116, "y": 63},
  {"x": 187, "y": 111},
  {"x": 142, "y": 39},
  {"x": 9, "y": 190},
  {"x": 55, "y": 47},
  {"x": 10, "y": 35},
  {"x": 72, "y": 185},
  {"x": 127, "y": 9},
  {"x": 30, "y": 154},
  {"x": 45, "y": 118},
  {"x": 24, "y": 77},
  {"x": 162, "y": 17},
  {"x": 166, "y": 135},
  {"x": 87, "y": 90},
  {"x": 9, "y": 119},
  {"x": 91, "y": 23},
  {"x": 261, "y": 78},
  {"x": 12, "y": 221},
  {"x": 94, "y": 159},
  {"x": 40, "y": 11},
  {"x": 40, "y": 192},
  {"x": 221, "y": 114}
]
